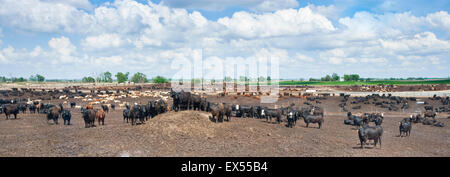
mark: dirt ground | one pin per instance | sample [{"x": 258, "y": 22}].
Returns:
[{"x": 192, "y": 133}]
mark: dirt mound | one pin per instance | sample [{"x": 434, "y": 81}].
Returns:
[{"x": 184, "y": 124}]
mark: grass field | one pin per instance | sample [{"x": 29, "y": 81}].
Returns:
[
  {"x": 386, "y": 82},
  {"x": 290, "y": 82}
]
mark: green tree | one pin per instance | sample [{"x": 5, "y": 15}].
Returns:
[
  {"x": 40, "y": 78},
  {"x": 228, "y": 79},
  {"x": 354, "y": 77},
  {"x": 261, "y": 79},
  {"x": 326, "y": 78},
  {"x": 107, "y": 77},
  {"x": 32, "y": 78},
  {"x": 346, "y": 77},
  {"x": 243, "y": 78},
  {"x": 121, "y": 77},
  {"x": 20, "y": 79},
  {"x": 160, "y": 80},
  {"x": 3, "y": 79},
  {"x": 335, "y": 77},
  {"x": 351, "y": 77},
  {"x": 139, "y": 78},
  {"x": 37, "y": 77},
  {"x": 88, "y": 79}
]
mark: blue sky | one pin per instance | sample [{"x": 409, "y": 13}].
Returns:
[{"x": 76, "y": 38}]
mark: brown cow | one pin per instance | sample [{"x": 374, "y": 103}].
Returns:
[
  {"x": 100, "y": 116},
  {"x": 89, "y": 107},
  {"x": 217, "y": 111}
]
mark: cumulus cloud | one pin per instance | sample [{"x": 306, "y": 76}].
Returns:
[
  {"x": 303, "y": 58},
  {"x": 84, "y": 4},
  {"x": 102, "y": 41},
  {"x": 63, "y": 50},
  {"x": 1, "y": 35},
  {"x": 146, "y": 37},
  {"x": 38, "y": 16},
  {"x": 112, "y": 60},
  {"x": 288, "y": 22},
  {"x": 424, "y": 43},
  {"x": 62, "y": 45},
  {"x": 220, "y": 5},
  {"x": 272, "y": 5}
]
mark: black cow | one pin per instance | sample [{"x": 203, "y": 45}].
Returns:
[
  {"x": 427, "y": 121},
  {"x": 258, "y": 111},
  {"x": 196, "y": 101},
  {"x": 203, "y": 105},
  {"x": 176, "y": 100},
  {"x": 105, "y": 108},
  {"x": 217, "y": 111},
  {"x": 9, "y": 109},
  {"x": 429, "y": 114},
  {"x": 66, "y": 116},
  {"x": 89, "y": 118},
  {"x": 32, "y": 108},
  {"x": 272, "y": 113},
  {"x": 292, "y": 118},
  {"x": 22, "y": 107},
  {"x": 151, "y": 112},
  {"x": 227, "y": 111},
  {"x": 53, "y": 114},
  {"x": 160, "y": 106},
  {"x": 137, "y": 112},
  {"x": 72, "y": 104},
  {"x": 313, "y": 119},
  {"x": 126, "y": 115},
  {"x": 370, "y": 133},
  {"x": 184, "y": 101},
  {"x": 439, "y": 124},
  {"x": 378, "y": 121},
  {"x": 405, "y": 126},
  {"x": 244, "y": 111},
  {"x": 357, "y": 120}
]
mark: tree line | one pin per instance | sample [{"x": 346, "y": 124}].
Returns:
[
  {"x": 33, "y": 78},
  {"x": 121, "y": 77},
  {"x": 336, "y": 77}
]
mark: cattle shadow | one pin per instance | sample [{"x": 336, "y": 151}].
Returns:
[
  {"x": 18, "y": 118},
  {"x": 215, "y": 119},
  {"x": 315, "y": 127},
  {"x": 271, "y": 122},
  {"x": 365, "y": 147}
]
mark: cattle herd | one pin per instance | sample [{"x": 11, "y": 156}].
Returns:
[{"x": 369, "y": 125}]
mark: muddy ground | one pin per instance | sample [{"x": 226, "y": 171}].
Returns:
[{"x": 192, "y": 133}]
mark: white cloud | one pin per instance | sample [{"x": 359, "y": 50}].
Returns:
[
  {"x": 425, "y": 42},
  {"x": 35, "y": 15},
  {"x": 1, "y": 35},
  {"x": 147, "y": 36},
  {"x": 62, "y": 45},
  {"x": 288, "y": 22},
  {"x": 85, "y": 4},
  {"x": 112, "y": 60},
  {"x": 37, "y": 51},
  {"x": 303, "y": 58},
  {"x": 63, "y": 50},
  {"x": 102, "y": 41},
  {"x": 272, "y": 5},
  {"x": 220, "y": 5},
  {"x": 373, "y": 60}
]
